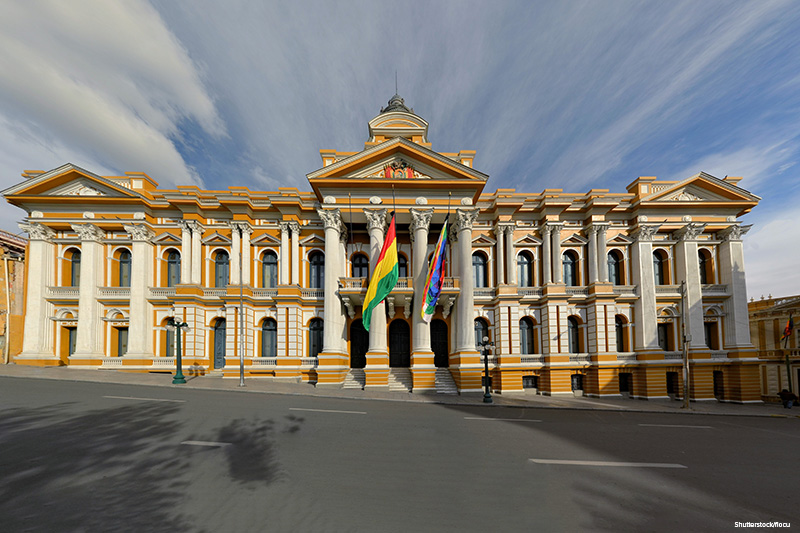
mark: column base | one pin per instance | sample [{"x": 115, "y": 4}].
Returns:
[
  {"x": 423, "y": 372},
  {"x": 37, "y": 359},
  {"x": 467, "y": 370},
  {"x": 332, "y": 368},
  {"x": 376, "y": 372}
]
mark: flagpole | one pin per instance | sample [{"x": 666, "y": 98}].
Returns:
[{"x": 787, "y": 334}]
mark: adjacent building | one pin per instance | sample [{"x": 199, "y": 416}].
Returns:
[
  {"x": 577, "y": 291},
  {"x": 12, "y": 253},
  {"x": 779, "y": 355}
]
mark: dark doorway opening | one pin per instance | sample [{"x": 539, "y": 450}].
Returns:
[
  {"x": 719, "y": 385},
  {"x": 439, "y": 343},
  {"x": 359, "y": 344},
  {"x": 399, "y": 344},
  {"x": 219, "y": 343}
]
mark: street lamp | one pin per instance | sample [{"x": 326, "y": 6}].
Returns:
[
  {"x": 486, "y": 347},
  {"x": 175, "y": 324}
]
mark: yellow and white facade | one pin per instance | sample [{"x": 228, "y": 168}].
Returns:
[{"x": 578, "y": 291}]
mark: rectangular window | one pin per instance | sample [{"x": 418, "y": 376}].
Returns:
[
  {"x": 530, "y": 382},
  {"x": 664, "y": 337}
]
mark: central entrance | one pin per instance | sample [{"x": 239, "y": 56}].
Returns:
[
  {"x": 439, "y": 343},
  {"x": 399, "y": 344},
  {"x": 219, "y": 343}
]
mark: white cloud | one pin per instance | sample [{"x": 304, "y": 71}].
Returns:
[
  {"x": 772, "y": 255},
  {"x": 100, "y": 81}
]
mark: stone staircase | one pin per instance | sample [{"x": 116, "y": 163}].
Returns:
[
  {"x": 444, "y": 382},
  {"x": 355, "y": 379},
  {"x": 400, "y": 380}
]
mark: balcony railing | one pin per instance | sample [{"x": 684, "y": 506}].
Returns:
[
  {"x": 312, "y": 293},
  {"x": 66, "y": 293},
  {"x": 114, "y": 292},
  {"x": 673, "y": 355},
  {"x": 535, "y": 292},
  {"x": 164, "y": 361},
  {"x": 531, "y": 359},
  {"x": 215, "y": 292},
  {"x": 715, "y": 290},
  {"x": 719, "y": 354},
  {"x": 580, "y": 358},
  {"x": 162, "y": 292},
  {"x": 265, "y": 361},
  {"x": 265, "y": 292},
  {"x": 668, "y": 289},
  {"x": 483, "y": 292},
  {"x": 577, "y": 291},
  {"x": 626, "y": 357},
  {"x": 625, "y": 290}
]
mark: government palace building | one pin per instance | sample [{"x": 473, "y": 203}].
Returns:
[{"x": 580, "y": 293}]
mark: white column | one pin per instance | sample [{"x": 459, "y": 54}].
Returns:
[
  {"x": 511, "y": 255},
  {"x": 466, "y": 298},
  {"x": 591, "y": 233},
  {"x": 376, "y": 221},
  {"x": 89, "y": 336},
  {"x": 284, "y": 258},
  {"x": 186, "y": 252},
  {"x": 455, "y": 272},
  {"x": 420, "y": 222},
  {"x": 546, "y": 255},
  {"x": 688, "y": 269},
  {"x": 334, "y": 319},
  {"x": 37, "y": 337},
  {"x": 236, "y": 246},
  {"x": 295, "y": 227},
  {"x": 499, "y": 232},
  {"x": 602, "y": 254},
  {"x": 731, "y": 273},
  {"x": 644, "y": 309},
  {"x": 197, "y": 252},
  {"x": 140, "y": 325},
  {"x": 557, "y": 266},
  {"x": 246, "y": 231}
]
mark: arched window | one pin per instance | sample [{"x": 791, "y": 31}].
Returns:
[
  {"x": 479, "y": 270},
  {"x": 481, "y": 330},
  {"x": 269, "y": 338},
  {"x": 170, "y": 343},
  {"x": 75, "y": 269},
  {"x": 360, "y": 266},
  {"x": 315, "y": 332},
  {"x": 173, "y": 269},
  {"x": 525, "y": 269},
  {"x": 527, "y": 343},
  {"x": 269, "y": 269},
  {"x": 619, "y": 330},
  {"x": 659, "y": 267},
  {"x": 573, "y": 334},
  {"x": 317, "y": 270},
  {"x": 615, "y": 268},
  {"x": 221, "y": 271},
  {"x": 706, "y": 267},
  {"x": 570, "y": 262},
  {"x": 124, "y": 269},
  {"x": 402, "y": 266}
]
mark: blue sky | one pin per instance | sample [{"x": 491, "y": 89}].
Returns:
[{"x": 572, "y": 95}]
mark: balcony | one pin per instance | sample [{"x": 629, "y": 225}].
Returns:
[
  {"x": 628, "y": 357},
  {"x": 577, "y": 291},
  {"x": 531, "y": 359},
  {"x": 312, "y": 294},
  {"x": 483, "y": 293},
  {"x": 580, "y": 358},
  {"x": 715, "y": 290},
  {"x": 262, "y": 292},
  {"x": 162, "y": 292},
  {"x": 626, "y": 291},
  {"x": 116, "y": 293},
  {"x": 668, "y": 290},
  {"x": 530, "y": 292}
]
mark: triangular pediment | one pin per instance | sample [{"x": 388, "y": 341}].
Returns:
[
  {"x": 620, "y": 240},
  {"x": 699, "y": 188},
  {"x": 575, "y": 240},
  {"x": 483, "y": 240},
  {"x": 529, "y": 240},
  {"x": 217, "y": 239},
  {"x": 371, "y": 163},
  {"x": 312, "y": 240},
  {"x": 71, "y": 180},
  {"x": 265, "y": 240},
  {"x": 167, "y": 238}
]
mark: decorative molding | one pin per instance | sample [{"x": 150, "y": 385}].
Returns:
[
  {"x": 376, "y": 219},
  {"x": 37, "y": 231},
  {"x": 390, "y": 306},
  {"x": 295, "y": 226},
  {"x": 645, "y": 232},
  {"x": 243, "y": 227},
  {"x": 88, "y": 232},
  {"x": 420, "y": 219},
  {"x": 466, "y": 217},
  {"x": 192, "y": 226},
  {"x": 331, "y": 218}
]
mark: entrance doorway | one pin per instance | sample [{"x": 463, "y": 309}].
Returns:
[
  {"x": 219, "y": 343},
  {"x": 719, "y": 385},
  {"x": 359, "y": 344},
  {"x": 399, "y": 344},
  {"x": 439, "y": 343}
]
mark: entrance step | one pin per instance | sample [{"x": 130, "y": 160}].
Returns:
[
  {"x": 400, "y": 380},
  {"x": 355, "y": 379},
  {"x": 216, "y": 373},
  {"x": 445, "y": 384}
]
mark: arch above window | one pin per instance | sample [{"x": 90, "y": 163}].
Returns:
[
  {"x": 525, "y": 269},
  {"x": 615, "y": 271}
]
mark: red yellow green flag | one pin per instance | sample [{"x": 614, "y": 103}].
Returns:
[{"x": 384, "y": 277}]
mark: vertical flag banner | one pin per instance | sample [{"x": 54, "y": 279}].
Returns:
[
  {"x": 787, "y": 331},
  {"x": 433, "y": 285},
  {"x": 384, "y": 277}
]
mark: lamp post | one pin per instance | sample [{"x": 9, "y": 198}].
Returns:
[
  {"x": 486, "y": 347},
  {"x": 175, "y": 324}
]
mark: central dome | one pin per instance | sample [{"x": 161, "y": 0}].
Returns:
[{"x": 396, "y": 104}]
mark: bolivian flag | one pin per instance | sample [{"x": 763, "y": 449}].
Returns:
[
  {"x": 787, "y": 331},
  {"x": 384, "y": 277}
]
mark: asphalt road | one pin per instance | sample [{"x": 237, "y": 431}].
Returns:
[{"x": 96, "y": 457}]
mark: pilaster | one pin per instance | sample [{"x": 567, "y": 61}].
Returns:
[
  {"x": 644, "y": 309},
  {"x": 89, "y": 336},
  {"x": 332, "y": 359},
  {"x": 37, "y": 340},
  {"x": 377, "y": 368},
  {"x": 284, "y": 260},
  {"x": 140, "y": 325},
  {"x": 422, "y": 367},
  {"x": 467, "y": 369},
  {"x": 732, "y": 273}
]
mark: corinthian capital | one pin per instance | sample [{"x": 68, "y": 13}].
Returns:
[
  {"x": 331, "y": 218},
  {"x": 734, "y": 233},
  {"x": 420, "y": 219},
  {"x": 689, "y": 232},
  {"x": 192, "y": 226},
  {"x": 466, "y": 217},
  {"x": 36, "y": 231},
  {"x": 376, "y": 218},
  {"x": 243, "y": 227},
  {"x": 88, "y": 232},
  {"x": 139, "y": 232},
  {"x": 645, "y": 232}
]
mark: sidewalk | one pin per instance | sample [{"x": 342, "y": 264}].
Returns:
[{"x": 270, "y": 386}]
